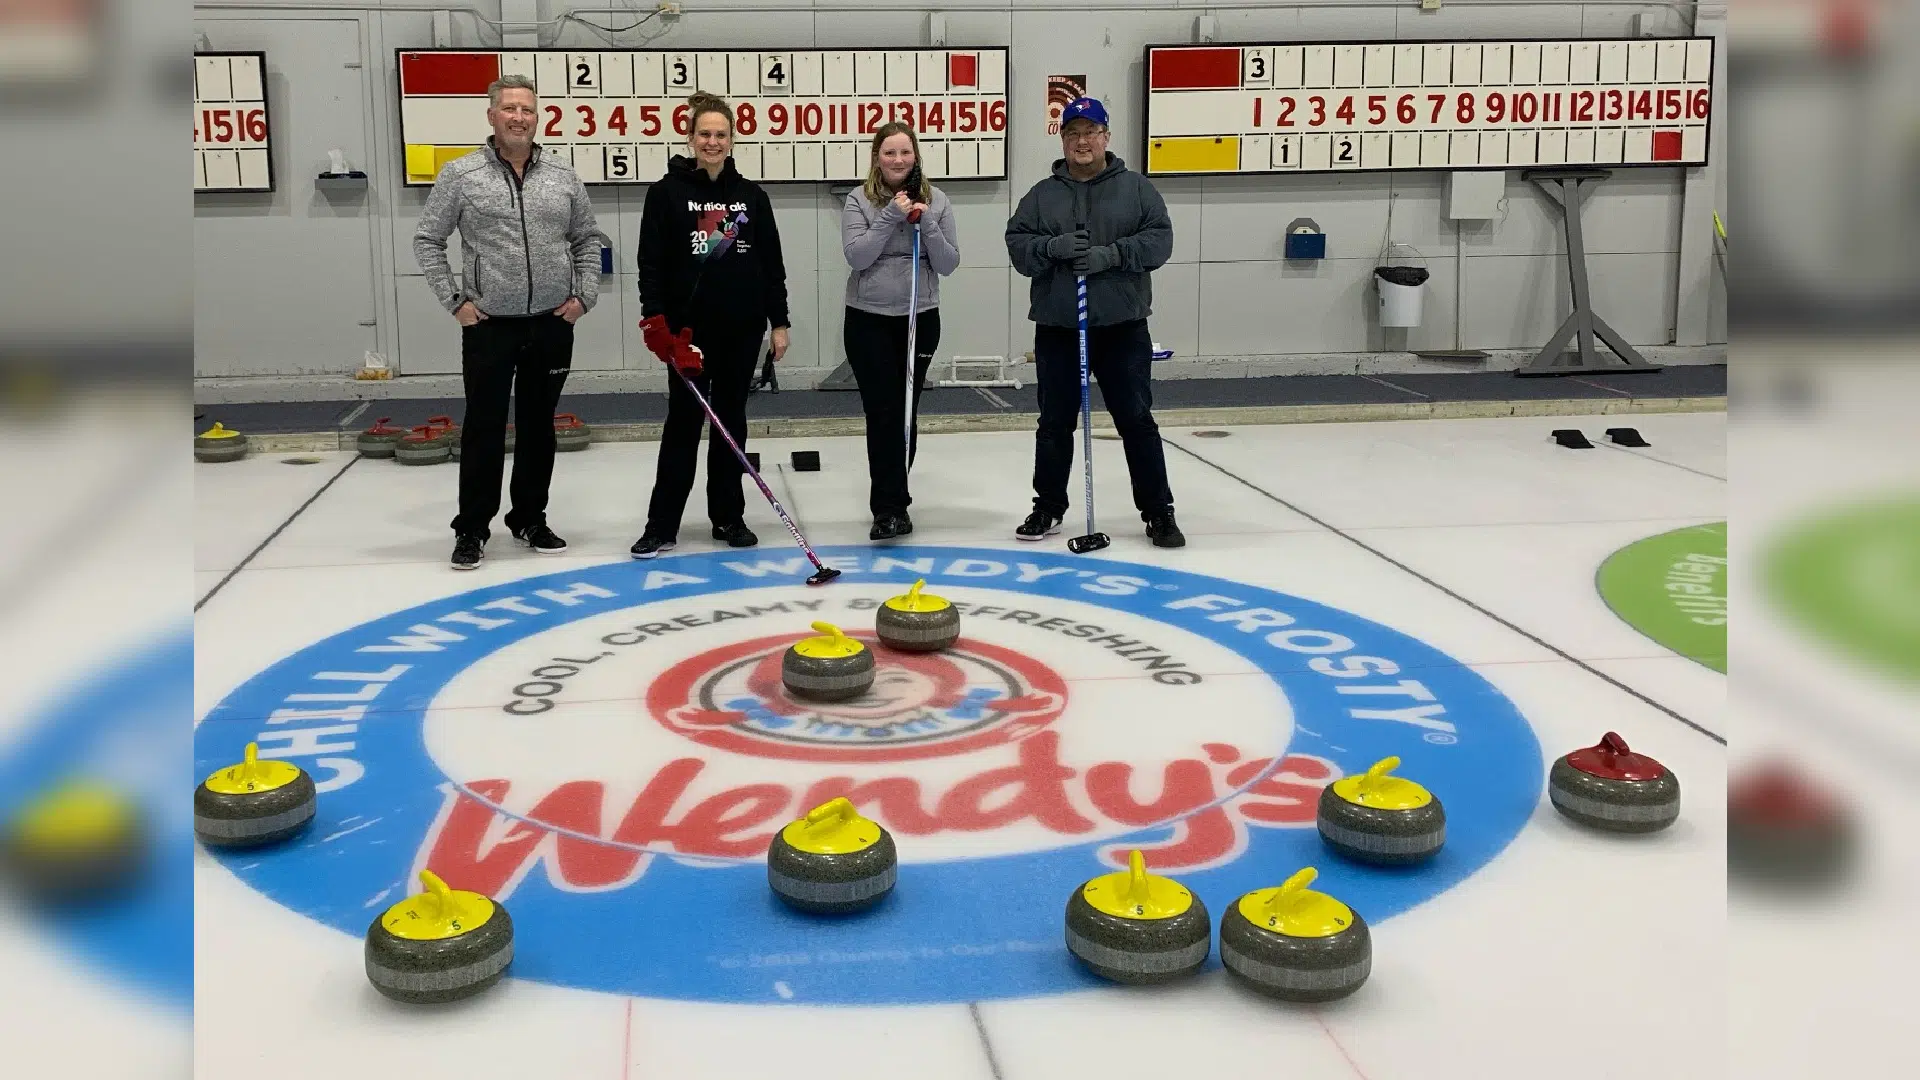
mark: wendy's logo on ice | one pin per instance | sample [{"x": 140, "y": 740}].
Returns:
[
  {"x": 1086, "y": 711},
  {"x": 969, "y": 697}
]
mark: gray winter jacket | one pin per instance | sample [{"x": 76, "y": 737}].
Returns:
[
  {"x": 529, "y": 242},
  {"x": 1121, "y": 209},
  {"x": 879, "y": 246}
]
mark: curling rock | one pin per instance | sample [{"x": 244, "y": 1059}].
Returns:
[
  {"x": 1608, "y": 786},
  {"x": 459, "y": 440},
  {"x": 1783, "y": 830},
  {"x": 438, "y": 946},
  {"x": 1382, "y": 819},
  {"x": 831, "y": 667},
  {"x": 570, "y": 434},
  {"x": 378, "y": 441},
  {"x": 219, "y": 443},
  {"x": 80, "y": 842},
  {"x": 917, "y": 621},
  {"x": 428, "y": 444},
  {"x": 832, "y": 861},
  {"x": 253, "y": 803},
  {"x": 1136, "y": 927},
  {"x": 1296, "y": 944}
]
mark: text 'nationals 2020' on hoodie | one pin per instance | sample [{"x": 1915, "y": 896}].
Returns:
[{"x": 710, "y": 253}]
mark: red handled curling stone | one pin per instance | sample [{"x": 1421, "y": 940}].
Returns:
[
  {"x": 1784, "y": 831},
  {"x": 1608, "y": 786}
]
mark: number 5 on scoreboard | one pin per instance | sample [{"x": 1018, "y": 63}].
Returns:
[{"x": 619, "y": 162}]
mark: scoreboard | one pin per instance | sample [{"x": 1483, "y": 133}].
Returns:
[
  {"x": 805, "y": 115},
  {"x": 232, "y": 148},
  {"x": 1369, "y": 106}
]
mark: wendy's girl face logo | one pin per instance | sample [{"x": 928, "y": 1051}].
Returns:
[{"x": 601, "y": 748}]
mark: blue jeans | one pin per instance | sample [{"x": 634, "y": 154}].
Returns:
[{"x": 1120, "y": 359}]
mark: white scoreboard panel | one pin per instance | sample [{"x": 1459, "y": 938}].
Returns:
[
  {"x": 232, "y": 147},
  {"x": 1290, "y": 107},
  {"x": 803, "y": 115}
]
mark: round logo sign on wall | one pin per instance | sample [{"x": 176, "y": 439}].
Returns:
[{"x": 609, "y": 750}]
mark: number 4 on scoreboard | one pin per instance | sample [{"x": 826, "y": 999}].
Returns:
[{"x": 776, "y": 73}]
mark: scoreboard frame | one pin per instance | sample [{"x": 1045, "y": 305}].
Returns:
[
  {"x": 266, "y": 109},
  {"x": 850, "y": 113},
  {"x": 1358, "y": 98}
]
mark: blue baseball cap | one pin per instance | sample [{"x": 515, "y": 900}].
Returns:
[{"x": 1084, "y": 108}]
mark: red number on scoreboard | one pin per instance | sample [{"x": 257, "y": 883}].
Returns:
[
  {"x": 933, "y": 117},
  {"x": 1671, "y": 106},
  {"x": 812, "y": 119},
  {"x": 997, "y": 116},
  {"x": 964, "y": 120},
  {"x": 256, "y": 125},
  {"x": 1319, "y": 117},
  {"x": 1287, "y": 106},
  {"x": 777, "y": 115},
  {"x": 870, "y": 121},
  {"x": 1583, "y": 106},
  {"x": 588, "y": 126},
  {"x": 1404, "y": 111},
  {"x": 1462, "y": 112},
  {"x": 617, "y": 120},
  {"x": 554, "y": 116},
  {"x": 1344, "y": 112},
  {"x": 650, "y": 121},
  {"x": 1439, "y": 102},
  {"x": 1496, "y": 107},
  {"x": 1525, "y": 108},
  {"x": 743, "y": 119},
  {"x": 1698, "y": 105},
  {"x": 1612, "y": 105},
  {"x": 1376, "y": 111}
]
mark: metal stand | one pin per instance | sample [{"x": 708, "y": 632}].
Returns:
[{"x": 1567, "y": 186}]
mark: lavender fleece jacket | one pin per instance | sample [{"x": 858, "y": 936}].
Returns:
[{"x": 879, "y": 246}]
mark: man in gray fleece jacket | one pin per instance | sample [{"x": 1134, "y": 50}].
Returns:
[
  {"x": 531, "y": 267},
  {"x": 1093, "y": 217}
]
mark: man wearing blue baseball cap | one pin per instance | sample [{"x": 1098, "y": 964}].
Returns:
[{"x": 1095, "y": 218}]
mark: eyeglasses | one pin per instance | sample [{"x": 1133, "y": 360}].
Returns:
[{"x": 1084, "y": 135}]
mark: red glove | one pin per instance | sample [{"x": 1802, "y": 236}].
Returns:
[
  {"x": 659, "y": 339},
  {"x": 686, "y": 355}
]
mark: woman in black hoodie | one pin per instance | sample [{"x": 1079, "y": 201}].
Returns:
[{"x": 710, "y": 260}]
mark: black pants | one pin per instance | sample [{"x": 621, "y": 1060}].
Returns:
[
  {"x": 728, "y": 366},
  {"x": 877, "y": 351},
  {"x": 1120, "y": 359},
  {"x": 537, "y": 352}
]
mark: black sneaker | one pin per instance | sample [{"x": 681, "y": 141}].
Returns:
[
  {"x": 468, "y": 551},
  {"x": 1038, "y": 524},
  {"x": 651, "y": 544},
  {"x": 541, "y": 539},
  {"x": 1163, "y": 532},
  {"x": 888, "y": 526},
  {"x": 735, "y": 535}
]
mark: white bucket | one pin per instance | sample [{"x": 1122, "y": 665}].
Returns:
[{"x": 1400, "y": 305}]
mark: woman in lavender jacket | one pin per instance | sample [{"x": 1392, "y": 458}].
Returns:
[{"x": 877, "y": 235}]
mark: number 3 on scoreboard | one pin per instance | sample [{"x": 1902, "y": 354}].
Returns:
[{"x": 680, "y": 70}]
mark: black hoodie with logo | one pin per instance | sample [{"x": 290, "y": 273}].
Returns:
[{"x": 709, "y": 253}]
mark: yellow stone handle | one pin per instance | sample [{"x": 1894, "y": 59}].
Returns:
[
  {"x": 250, "y": 763},
  {"x": 833, "y": 812},
  {"x": 1137, "y": 878},
  {"x": 1291, "y": 889},
  {"x": 831, "y": 631},
  {"x": 442, "y": 896},
  {"x": 1377, "y": 773}
]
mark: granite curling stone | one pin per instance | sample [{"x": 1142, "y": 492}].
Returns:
[
  {"x": 79, "y": 843},
  {"x": 1296, "y": 944},
  {"x": 438, "y": 946},
  {"x": 917, "y": 621},
  {"x": 831, "y": 667},
  {"x": 833, "y": 861},
  {"x": 1608, "y": 786},
  {"x": 428, "y": 444},
  {"x": 570, "y": 434},
  {"x": 1381, "y": 819},
  {"x": 1784, "y": 831},
  {"x": 254, "y": 803},
  {"x": 1138, "y": 928},
  {"x": 379, "y": 440},
  {"x": 219, "y": 443}
]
